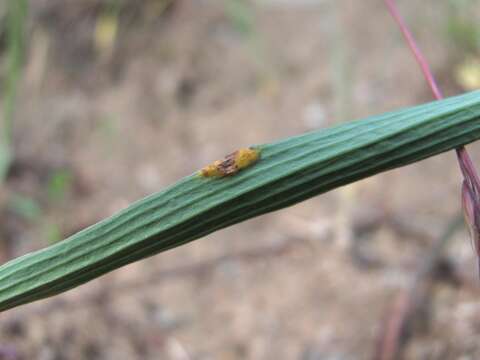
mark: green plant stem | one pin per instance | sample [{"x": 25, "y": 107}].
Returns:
[
  {"x": 289, "y": 171},
  {"x": 16, "y": 18}
]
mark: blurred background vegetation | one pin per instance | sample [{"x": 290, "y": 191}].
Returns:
[{"x": 105, "y": 101}]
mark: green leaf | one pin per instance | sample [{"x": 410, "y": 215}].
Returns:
[
  {"x": 288, "y": 172},
  {"x": 5, "y": 159},
  {"x": 59, "y": 184},
  {"x": 241, "y": 15},
  {"x": 25, "y": 207}
]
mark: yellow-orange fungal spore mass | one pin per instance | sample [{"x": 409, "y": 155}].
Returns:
[
  {"x": 246, "y": 157},
  {"x": 211, "y": 170},
  {"x": 232, "y": 163}
]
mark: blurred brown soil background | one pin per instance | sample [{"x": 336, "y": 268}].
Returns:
[{"x": 120, "y": 99}]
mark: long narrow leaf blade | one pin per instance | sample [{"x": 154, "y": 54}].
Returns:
[{"x": 288, "y": 172}]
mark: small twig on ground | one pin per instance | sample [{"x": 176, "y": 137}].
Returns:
[{"x": 409, "y": 302}]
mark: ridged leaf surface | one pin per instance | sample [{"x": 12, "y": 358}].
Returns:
[{"x": 289, "y": 171}]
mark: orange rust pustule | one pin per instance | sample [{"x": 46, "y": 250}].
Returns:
[{"x": 232, "y": 163}]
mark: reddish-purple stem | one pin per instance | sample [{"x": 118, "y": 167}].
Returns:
[
  {"x": 471, "y": 183},
  {"x": 415, "y": 49},
  {"x": 390, "y": 339}
]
